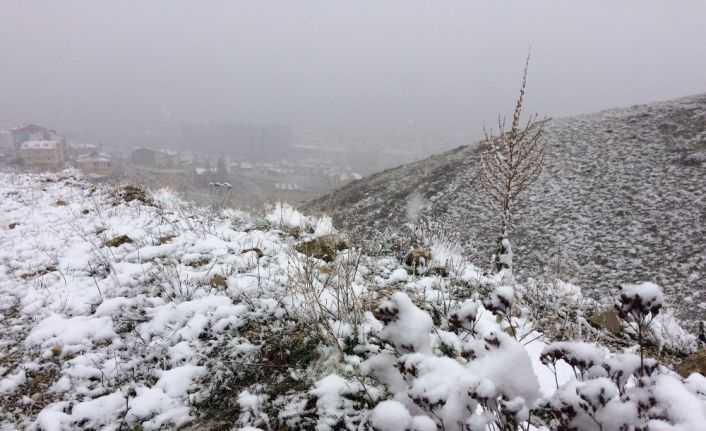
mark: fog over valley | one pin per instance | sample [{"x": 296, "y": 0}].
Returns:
[{"x": 389, "y": 74}]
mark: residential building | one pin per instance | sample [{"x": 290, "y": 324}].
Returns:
[
  {"x": 157, "y": 159},
  {"x": 76, "y": 149},
  {"x": 95, "y": 163},
  {"x": 167, "y": 159},
  {"x": 6, "y": 141},
  {"x": 32, "y": 132},
  {"x": 42, "y": 154},
  {"x": 7, "y": 145}
]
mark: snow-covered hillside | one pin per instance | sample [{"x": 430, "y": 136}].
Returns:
[
  {"x": 622, "y": 197},
  {"x": 127, "y": 310}
]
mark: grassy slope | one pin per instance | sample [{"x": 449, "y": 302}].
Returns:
[{"x": 622, "y": 199}]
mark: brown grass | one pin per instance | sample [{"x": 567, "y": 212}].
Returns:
[{"x": 38, "y": 273}]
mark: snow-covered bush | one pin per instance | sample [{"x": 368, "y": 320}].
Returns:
[
  {"x": 490, "y": 382},
  {"x": 638, "y": 305},
  {"x": 557, "y": 308},
  {"x": 620, "y": 391},
  {"x": 487, "y": 380}
]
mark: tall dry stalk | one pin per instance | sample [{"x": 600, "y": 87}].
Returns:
[{"x": 509, "y": 163}]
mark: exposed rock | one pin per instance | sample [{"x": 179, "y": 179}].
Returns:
[
  {"x": 254, "y": 250},
  {"x": 323, "y": 247},
  {"x": 218, "y": 282},
  {"x": 131, "y": 193},
  {"x": 418, "y": 256},
  {"x": 694, "y": 363},
  {"x": 199, "y": 262},
  {"x": 607, "y": 319},
  {"x": 118, "y": 241}
]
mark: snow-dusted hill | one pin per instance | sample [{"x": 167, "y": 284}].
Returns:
[
  {"x": 126, "y": 310},
  {"x": 622, "y": 198}
]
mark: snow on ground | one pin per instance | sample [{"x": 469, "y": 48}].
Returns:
[
  {"x": 121, "y": 314},
  {"x": 98, "y": 333}
]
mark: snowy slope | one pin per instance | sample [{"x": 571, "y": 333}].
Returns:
[
  {"x": 622, "y": 199},
  {"x": 123, "y": 310},
  {"x": 90, "y": 326}
]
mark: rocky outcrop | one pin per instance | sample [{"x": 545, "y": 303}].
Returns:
[
  {"x": 418, "y": 256},
  {"x": 694, "y": 363},
  {"x": 607, "y": 320},
  {"x": 323, "y": 247}
]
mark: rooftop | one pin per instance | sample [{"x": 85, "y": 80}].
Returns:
[
  {"x": 93, "y": 157},
  {"x": 37, "y": 145}
]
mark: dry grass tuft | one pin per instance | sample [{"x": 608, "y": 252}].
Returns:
[{"x": 38, "y": 273}]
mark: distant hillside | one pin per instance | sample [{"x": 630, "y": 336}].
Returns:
[{"x": 621, "y": 199}]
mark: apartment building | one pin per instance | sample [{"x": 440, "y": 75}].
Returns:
[{"x": 42, "y": 154}]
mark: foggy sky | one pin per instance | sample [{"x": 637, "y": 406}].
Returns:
[{"x": 129, "y": 72}]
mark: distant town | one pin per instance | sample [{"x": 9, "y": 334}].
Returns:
[{"x": 258, "y": 163}]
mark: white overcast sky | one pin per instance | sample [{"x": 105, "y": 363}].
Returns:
[{"x": 116, "y": 70}]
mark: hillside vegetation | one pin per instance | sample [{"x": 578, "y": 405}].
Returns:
[
  {"x": 125, "y": 309},
  {"x": 622, "y": 197}
]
